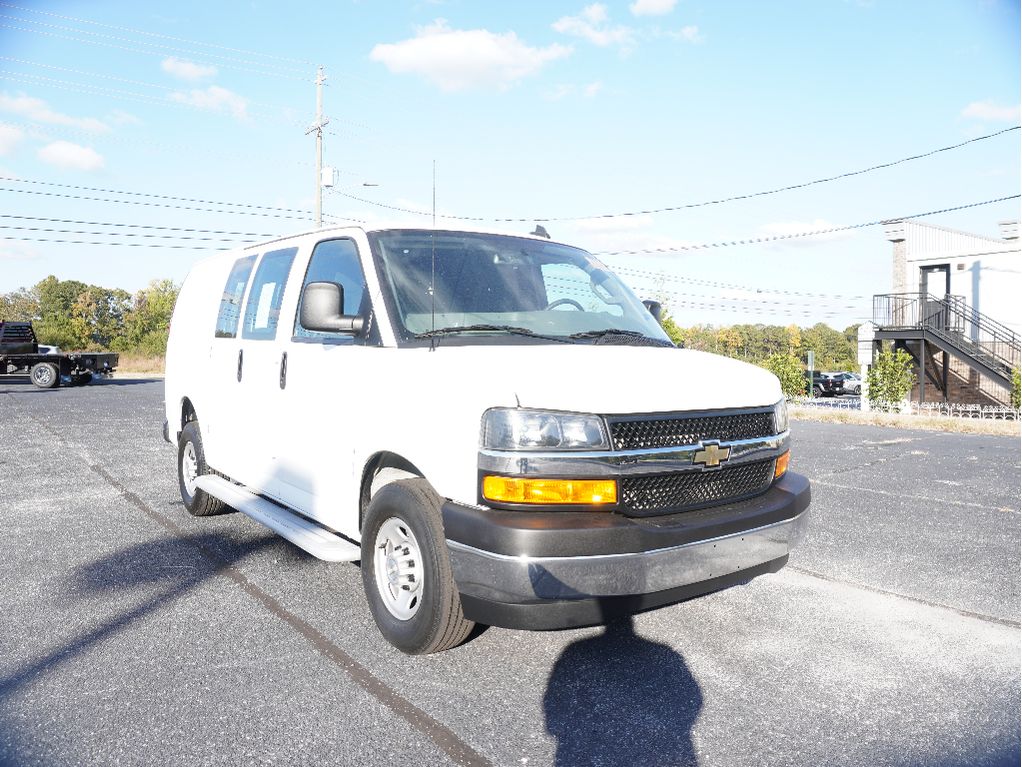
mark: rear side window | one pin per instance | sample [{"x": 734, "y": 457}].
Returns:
[
  {"x": 262, "y": 311},
  {"x": 335, "y": 261},
  {"x": 230, "y": 303}
]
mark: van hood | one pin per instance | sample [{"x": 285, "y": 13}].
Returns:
[{"x": 607, "y": 379}]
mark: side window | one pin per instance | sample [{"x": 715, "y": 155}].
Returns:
[
  {"x": 262, "y": 310},
  {"x": 230, "y": 303},
  {"x": 335, "y": 261}
]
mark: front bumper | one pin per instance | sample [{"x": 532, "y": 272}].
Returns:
[{"x": 559, "y": 569}]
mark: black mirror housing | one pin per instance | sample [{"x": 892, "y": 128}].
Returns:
[
  {"x": 323, "y": 307},
  {"x": 654, "y": 308}
]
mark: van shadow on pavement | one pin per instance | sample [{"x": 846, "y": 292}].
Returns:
[
  {"x": 166, "y": 569},
  {"x": 620, "y": 699}
]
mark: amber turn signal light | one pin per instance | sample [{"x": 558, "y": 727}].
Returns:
[
  {"x": 550, "y": 491},
  {"x": 782, "y": 463}
]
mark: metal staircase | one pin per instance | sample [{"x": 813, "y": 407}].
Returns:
[{"x": 952, "y": 326}]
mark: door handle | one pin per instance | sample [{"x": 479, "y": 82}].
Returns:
[
  {"x": 283, "y": 370},
  {"x": 241, "y": 361}
]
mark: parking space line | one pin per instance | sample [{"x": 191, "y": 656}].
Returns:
[
  {"x": 442, "y": 736},
  {"x": 917, "y": 600},
  {"x": 877, "y": 491}
]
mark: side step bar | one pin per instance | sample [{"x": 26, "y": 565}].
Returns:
[{"x": 304, "y": 533}]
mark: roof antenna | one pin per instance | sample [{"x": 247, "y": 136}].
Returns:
[
  {"x": 540, "y": 232},
  {"x": 432, "y": 271}
]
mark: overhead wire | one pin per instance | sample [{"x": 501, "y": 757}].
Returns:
[
  {"x": 704, "y": 203},
  {"x": 146, "y": 33},
  {"x": 137, "y": 226}
]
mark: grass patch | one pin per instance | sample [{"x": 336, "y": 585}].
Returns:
[
  {"x": 901, "y": 421},
  {"x": 140, "y": 364}
]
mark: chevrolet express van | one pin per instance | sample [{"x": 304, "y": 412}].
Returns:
[{"x": 494, "y": 426}]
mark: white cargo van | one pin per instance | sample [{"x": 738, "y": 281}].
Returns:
[{"x": 493, "y": 425}]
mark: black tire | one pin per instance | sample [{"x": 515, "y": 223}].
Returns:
[
  {"x": 818, "y": 390},
  {"x": 45, "y": 375},
  {"x": 437, "y": 623},
  {"x": 189, "y": 451},
  {"x": 857, "y": 390}
]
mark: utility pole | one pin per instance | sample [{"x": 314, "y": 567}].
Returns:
[{"x": 317, "y": 127}]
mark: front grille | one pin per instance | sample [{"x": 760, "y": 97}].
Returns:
[
  {"x": 684, "y": 491},
  {"x": 677, "y": 431}
]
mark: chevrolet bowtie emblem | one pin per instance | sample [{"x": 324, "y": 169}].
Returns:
[{"x": 712, "y": 455}]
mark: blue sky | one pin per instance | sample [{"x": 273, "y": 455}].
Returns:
[{"x": 530, "y": 110}]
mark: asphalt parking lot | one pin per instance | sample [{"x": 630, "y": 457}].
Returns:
[{"x": 135, "y": 634}]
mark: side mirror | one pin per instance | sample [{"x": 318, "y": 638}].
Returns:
[
  {"x": 654, "y": 308},
  {"x": 322, "y": 307}
]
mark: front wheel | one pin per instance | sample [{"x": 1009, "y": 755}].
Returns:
[
  {"x": 406, "y": 571},
  {"x": 44, "y": 375},
  {"x": 191, "y": 464}
]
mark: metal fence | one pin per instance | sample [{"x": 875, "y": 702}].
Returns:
[{"x": 926, "y": 409}]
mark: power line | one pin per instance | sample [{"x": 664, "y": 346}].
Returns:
[
  {"x": 115, "y": 244},
  {"x": 688, "y": 206},
  {"x": 158, "y": 49},
  {"x": 138, "y": 226},
  {"x": 156, "y": 34},
  {"x": 732, "y": 286},
  {"x": 144, "y": 194},
  {"x": 797, "y": 235},
  {"x": 118, "y": 234}
]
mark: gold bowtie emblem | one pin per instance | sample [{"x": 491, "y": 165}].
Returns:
[{"x": 712, "y": 455}]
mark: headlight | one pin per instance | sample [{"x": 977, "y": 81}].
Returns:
[
  {"x": 781, "y": 417},
  {"x": 519, "y": 429}
]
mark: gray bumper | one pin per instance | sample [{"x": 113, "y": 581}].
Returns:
[{"x": 512, "y": 579}]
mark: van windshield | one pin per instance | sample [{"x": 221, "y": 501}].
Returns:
[{"x": 497, "y": 286}]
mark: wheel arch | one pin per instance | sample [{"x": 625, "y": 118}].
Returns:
[{"x": 381, "y": 469}]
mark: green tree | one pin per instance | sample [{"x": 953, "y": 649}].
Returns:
[
  {"x": 672, "y": 330},
  {"x": 890, "y": 379},
  {"x": 1016, "y": 388},
  {"x": 20, "y": 305},
  {"x": 789, "y": 371},
  {"x": 147, "y": 322}
]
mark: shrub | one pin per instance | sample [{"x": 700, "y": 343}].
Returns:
[
  {"x": 789, "y": 372},
  {"x": 1016, "y": 385},
  {"x": 890, "y": 379}
]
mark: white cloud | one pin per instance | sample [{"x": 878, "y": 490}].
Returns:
[
  {"x": 455, "y": 59},
  {"x": 558, "y": 92},
  {"x": 988, "y": 110},
  {"x": 652, "y": 7},
  {"x": 18, "y": 252},
  {"x": 39, "y": 110},
  {"x": 10, "y": 137},
  {"x": 64, "y": 154},
  {"x": 120, "y": 117},
  {"x": 214, "y": 99},
  {"x": 592, "y": 25},
  {"x": 689, "y": 34},
  {"x": 593, "y": 88},
  {"x": 187, "y": 70}
]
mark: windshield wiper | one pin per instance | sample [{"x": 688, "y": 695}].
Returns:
[
  {"x": 512, "y": 329},
  {"x": 612, "y": 335}
]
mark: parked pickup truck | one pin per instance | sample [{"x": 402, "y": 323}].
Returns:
[
  {"x": 21, "y": 353},
  {"x": 494, "y": 426}
]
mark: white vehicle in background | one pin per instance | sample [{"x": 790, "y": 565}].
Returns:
[{"x": 493, "y": 425}]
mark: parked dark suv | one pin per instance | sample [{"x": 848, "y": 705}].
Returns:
[{"x": 826, "y": 386}]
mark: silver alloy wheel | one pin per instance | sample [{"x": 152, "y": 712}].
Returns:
[
  {"x": 189, "y": 467},
  {"x": 397, "y": 565}
]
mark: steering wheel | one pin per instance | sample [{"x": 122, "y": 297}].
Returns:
[{"x": 564, "y": 302}]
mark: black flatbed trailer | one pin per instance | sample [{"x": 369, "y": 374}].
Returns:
[{"x": 19, "y": 354}]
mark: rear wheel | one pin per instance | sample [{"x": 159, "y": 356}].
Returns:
[
  {"x": 44, "y": 375},
  {"x": 191, "y": 464},
  {"x": 406, "y": 571}
]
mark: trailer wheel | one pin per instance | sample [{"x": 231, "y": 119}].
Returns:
[
  {"x": 191, "y": 464},
  {"x": 406, "y": 571},
  {"x": 44, "y": 375}
]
